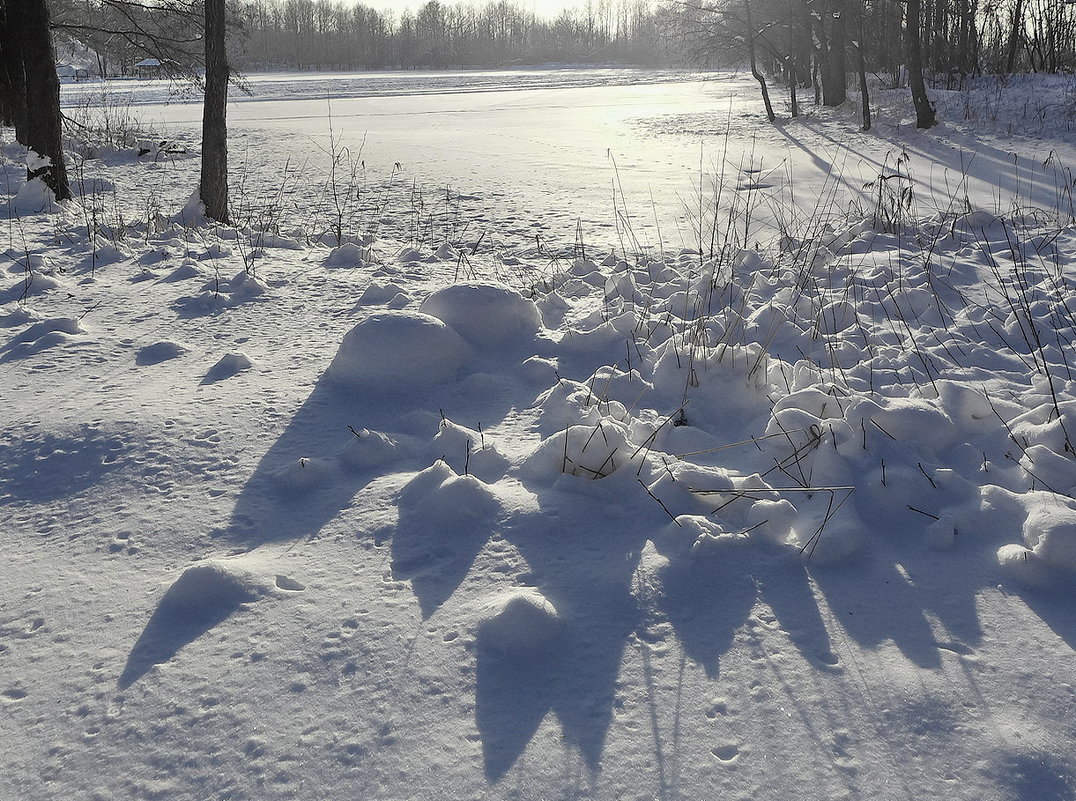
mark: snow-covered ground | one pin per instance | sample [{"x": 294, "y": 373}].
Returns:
[{"x": 613, "y": 445}]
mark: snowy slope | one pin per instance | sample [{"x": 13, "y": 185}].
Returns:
[{"x": 410, "y": 514}]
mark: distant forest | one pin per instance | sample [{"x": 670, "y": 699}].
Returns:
[
  {"x": 327, "y": 34},
  {"x": 806, "y": 43}
]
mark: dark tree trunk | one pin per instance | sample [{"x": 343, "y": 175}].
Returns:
[
  {"x": 1015, "y": 35},
  {"x": 43, "y": 128},
  {"x": 750, "y": 38},
  {"x": 213, "y": 187},
  {"x": 835, "y": 66},
  {"x": 861, "y": 68},
  {"x": 793, "y": 96},
  {"x": 924, "y": 111},
  {"x": 12, "y": 76}
]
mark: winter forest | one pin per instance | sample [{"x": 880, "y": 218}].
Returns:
[{"x": 497, "y": 400}]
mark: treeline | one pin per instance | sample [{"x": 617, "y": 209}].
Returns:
[
  {"x": 326, "y": 34},
  {"x": 821, "y": 46},
  {"x": 957, "y": 37}
]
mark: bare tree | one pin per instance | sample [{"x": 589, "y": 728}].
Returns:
[
  {"x": 924, "y": 110},
  {"x": 213, "y": 185},
  {"x": 43, "y": 128},
  {"x": 749, "y": 41},
  {"x": 12, "y": 74}
]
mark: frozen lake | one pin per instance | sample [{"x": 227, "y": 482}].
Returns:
[{"x": 539, "y": 150}]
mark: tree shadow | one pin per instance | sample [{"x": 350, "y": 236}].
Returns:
[
  {"x": 305, "y": 478},
  {"x": 1036, "y": 777},
  {"x": 53, "y": 466},
  {"x": 587, "y": 575}
]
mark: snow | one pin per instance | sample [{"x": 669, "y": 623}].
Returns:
[
  {"x": 495, "y": 492},
  {"x": 395, "y": 350},
  {"x": 486, "y": 315}
]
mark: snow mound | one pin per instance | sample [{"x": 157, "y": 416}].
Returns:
[
  {"x": 1050, "y": 533},
  {"x": 378, "y": 292},
  {"x": 520, "y": 622},
  {"x": 1023, "y": 566},
  {"x": 188, "y": 269},
  {"x": 192, "y": 215},
  {"x": 160, "y": 352},
  {"x": 347, "y": 255},
  {"x": 63, "y": 325},
  {"x": 204, "y": 590},
  {"x": 20, "y": 316},
  {"x": 304, "y": 474},
  {"x": 590, "y": 452},
  {"x": 36, "y": 274},
  {"x": 266, "y": 239},
  {"x": 469, "y": 451},
  {"x": 367, "y": 450},
  {"x": 485, "y": 313},
  {"x": 244, "y": 286},
  {"x": 229, "y": 365},
  {"x": 33, "y": 197},
  {"x": 447, "y": 499},
  {"x": 836, "y": 542},
  {"x": 398, "y": 349}
]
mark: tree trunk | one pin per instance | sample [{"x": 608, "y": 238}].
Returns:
[
  {"x": 1015, "y": 35},
  {"x": 861, "y": 68},
  {"x": 43, "y": 128},
  {"x": 924, "y": 111},
  {"x": 793, "y": 96},
  {"x": 835, "y": 68},
  {"x": 213, "y": 186},
  {"x": 750, "y": 38},
  {"x": 12, "y": 75}
]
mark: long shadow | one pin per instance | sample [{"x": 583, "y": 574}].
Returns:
[
  {"x": 892, "y": 609},
  {"x": 707, "y": 600},
  {"x": 1036, "y": 777},
  {"x": 1055, "y": 606},
  {"x": 439, "y": 533},
  {"x": 784, "y": 583},
  {"x": 513, "y": 694},
  {"x": 202, "y": 598},
  {"x": 54, "y": 466},
  {"x": 587, "y": 575},
  {"x": 286, "y": 498}
]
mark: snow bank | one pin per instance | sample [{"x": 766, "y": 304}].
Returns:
[
  {"x": 519, "y": 622},
  {"x": 395, "y": 350},
  {"x": 485, "y": 314}
]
